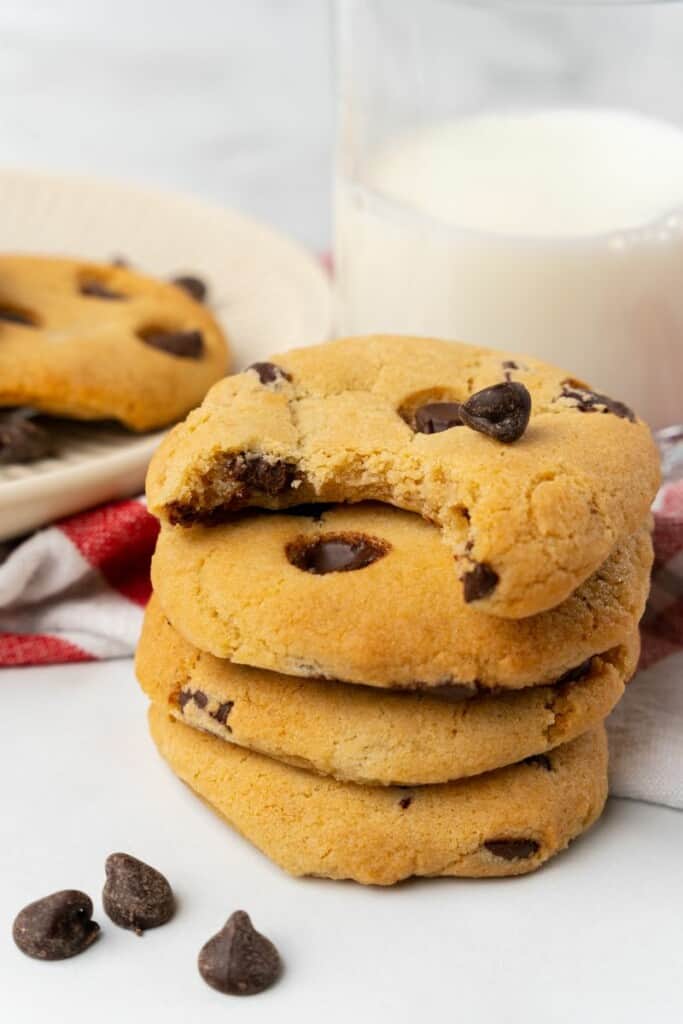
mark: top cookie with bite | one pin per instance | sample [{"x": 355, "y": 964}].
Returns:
[{"x": 532, "y": 477}]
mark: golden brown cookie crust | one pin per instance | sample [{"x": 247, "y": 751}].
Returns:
[
  {"x": 399, "y": 622},
  {"x": 83, "y": 356},
  {"x": 368, "y": 736},
  {"x": 311, "y": 825},
  {"x": 541, "y": 514}
]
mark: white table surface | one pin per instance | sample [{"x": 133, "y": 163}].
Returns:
[{"x": 597, "y": 935}]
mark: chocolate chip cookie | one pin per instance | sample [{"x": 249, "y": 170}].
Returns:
[
  {"x": 368, "y": 736},
  {"x": 532, "y": 477},
  {"x": 95, "y": 342},
  {"x": 367, "y": 594},
  {"x": 506, "y": 822}
]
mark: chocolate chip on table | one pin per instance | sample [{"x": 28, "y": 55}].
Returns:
[
  {"x": 194, "y": 286},
  {"x": 434, "y": 417},
  {"x": 183, "y": 344},
  {"x": 238, "y": 960},
  {"x": 335, "y": 552},
  {"x": 56, "y": 927},
  {"x": 501, "y": 411},
  {"x": 593, "y": 401},
  {"x": 21, "y": 440},
  {"x": 97, "y": 290},
  {"x": 479, "y": 582},
  {"x": 11, "y": 315},
  {"x": 135, "y": 895},
  {"x": 268, "y": 373},
  {"x": 540, "y": 761},
  {"x": 512, "y": 849}
]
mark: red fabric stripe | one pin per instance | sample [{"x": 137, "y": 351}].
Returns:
[
  {"x": 118, "y": 540},
  {"x": 37, "y": 649}
]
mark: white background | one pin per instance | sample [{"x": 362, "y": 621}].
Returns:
[{"x": 232, "y": 100}]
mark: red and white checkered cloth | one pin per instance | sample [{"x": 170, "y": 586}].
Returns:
[{"x": 77, "y": 590}]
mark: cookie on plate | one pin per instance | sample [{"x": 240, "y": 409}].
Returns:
[
  {"x": 367, "y": 594},
  {"x": 97, "y": 342},
  {"x": 506, "y": 822},
  {"x": 368, "y": 736},
  {"x": 532, "y": 477}
]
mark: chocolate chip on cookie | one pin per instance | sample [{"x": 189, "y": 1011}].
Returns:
[
  {"x": 592, "y": 401},
  {"x": 435, "y": 417},
  {"x": 343, "y": 552},
  {"x": 183, "y": 344},
  {"x": 221, "y": 713},
  {"x": 501, "y": 411},
  {"x": 56, "y": 927},
  {"x": 479, "y": 582},
  {"x": 193, "y": 285},
  {"x": 512, "y": 849},
  {"x": 269, "y": 373},
  {"x": 135, "y": 895},
  {"x": 12, "y": 315},
  {"x": 238, "y": 960},
  {"x": 99, "y": 290}
]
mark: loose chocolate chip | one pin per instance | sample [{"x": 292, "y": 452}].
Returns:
[
  {"x": 501, "y": 411},
  {"x": 512, "y": 849},
  {"x": 17, "y": 316},
  {"x": 98, "y": 290},
  {"x": 238, "y": 960},
  {"x": 405, "y": 802},
  {"x": 593, "y": 401},
  {"x": 56, "y": 927},
  {"x": 221, "y": 713},
  {"x": 194, "y": 286},
  {"x": 335, "y": 552},
  {"x": 183, "y": 344},
  {"x": 577, "y": 673},
  {"x": 21, "y": 440},
  {"x": 540, "y": 761},
  {"x": 135, "y": 895},
  {"x": 268, "y": 373},
  {"x": 479, "y": 582},
  {"x": 434, "y": 417}
]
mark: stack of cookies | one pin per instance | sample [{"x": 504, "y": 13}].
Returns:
[{"x": 397, "y": 592}]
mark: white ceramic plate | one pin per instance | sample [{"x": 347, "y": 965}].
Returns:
[{"x": 268, "y": 292}]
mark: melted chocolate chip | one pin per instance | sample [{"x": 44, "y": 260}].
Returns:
[
  {"x": 238, "y": 960},
  {"x": 577, "y": 673},
  {"x": 405, "y": 802},
  {"x": 501, "y": 411},
  {"x": 540, "y": 761},
  {"x": 435, "y": 417},
  {"x": 194, "y": 286},
  {"x": 56, "y": 927},
  {"x": 593, "y": 401},
  {"x": 269, "y": 373},
  {"x": 512, "y": 849},
  {"x": 97, "y": 290},
  {"x": 221, "y": 713},
  {"x": 479, "y": 582},
  {"x": 335, "y": 552},
  {"x": 135, "y": 895},
  {"x": 182, "y": 344},
  {"x": 11, "y": 315},
  {"x": 21, "y": 440}
]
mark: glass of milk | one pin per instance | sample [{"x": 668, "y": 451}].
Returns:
[{"x": 510, "y": 173}]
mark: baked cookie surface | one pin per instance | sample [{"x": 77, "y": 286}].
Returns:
[
  {"x": 364, "y": 419},
  {"x": 368, "y": 736},
  {"x": 254, "y": 591},
  {"x": 92, "y": 341},
  {"x": 506, "y": 822}
]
